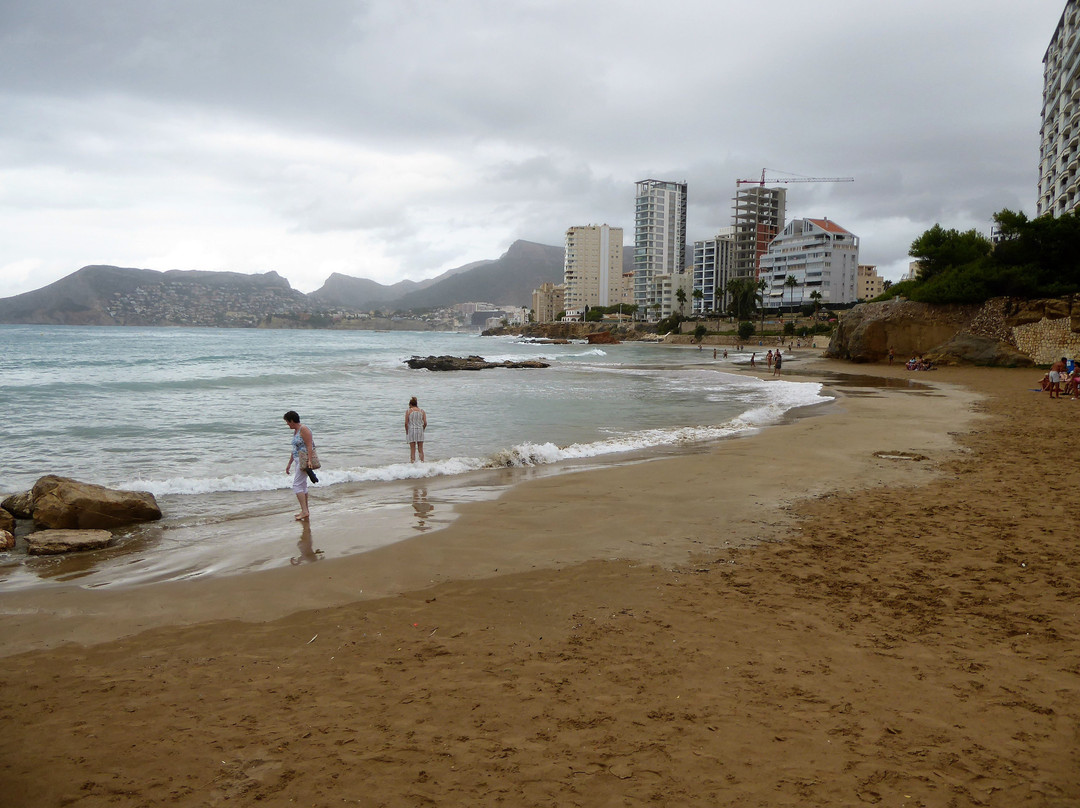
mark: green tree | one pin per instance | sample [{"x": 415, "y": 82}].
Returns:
[
  {"x": 816, "y": 297},
  {"x": 791, "y": 282},
  {"x": 762, "y": 285},
  {"x": 680, "y": 295},
  {"x": 744, "y": 296},
  {"x": 700, "y": 332},
  {"x": 746, "y": 330},
  {"x": 938, "y": 248}
]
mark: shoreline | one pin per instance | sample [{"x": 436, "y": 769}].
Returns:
[{"x": 467, "y": 547}]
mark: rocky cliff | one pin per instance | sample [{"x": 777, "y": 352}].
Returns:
[{"x": 1003, "y": 331}]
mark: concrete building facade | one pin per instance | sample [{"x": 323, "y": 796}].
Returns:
[
  {"x": 869, "y": 283},
  {"x": 712, "y": 269},
  {"x": 757, "y": 217},
  {"x": 659, "y": 238},
  {"x": 547, "y": 302},
  {"x": 592, "y": 268},
  {"x": 821, "y": 256},
  {"x": 1059, "y": 150}
]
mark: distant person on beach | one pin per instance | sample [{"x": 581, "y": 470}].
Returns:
[
  {"x": 891, "y": 355},
  {"x": 768, "y": 359},
  {"x": 752, "y": 362},
  {"x": 776, "y": 363},
  {"x": 301, "y": 439},
  {"x": 1057, "y": 370},
  {"x": 415, "y": 424}
]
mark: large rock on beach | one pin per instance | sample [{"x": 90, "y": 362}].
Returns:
[
  {"x": 22, "y": 505},
  {"x": 970, "y": 349},
  {"x": 7, "y": 521},
  {"x": 602, "y": 338},
  {"x": 467, "y": 363},
  {"x": 60, "y": 502},
  {"x": 7, "y": 539},
  {"x": 868, "y": 331},
  {"x": 54, "y": 542}
]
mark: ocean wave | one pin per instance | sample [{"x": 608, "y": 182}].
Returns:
[{"x": 784, "y": 397}]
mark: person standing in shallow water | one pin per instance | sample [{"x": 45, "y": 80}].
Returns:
[
  {"x": 301, "y": 439},
  {"x": 415, "y": 424}
]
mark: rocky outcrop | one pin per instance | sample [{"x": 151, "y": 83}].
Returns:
[
  {"x": 60, "y": 502},
  {"x": 602, "y": 338},
  {"x": 867, "y": 332},
  {"x": 22, "y": 505},
  {"x": 969, "y": 349},
  {"x": 54, "y": 542},
  {"x": 467, "y": 363},
  {"x": 1003, "y": 331},
  {"x": 7, "y": 520},
  {"x": 7, "y": 539}
]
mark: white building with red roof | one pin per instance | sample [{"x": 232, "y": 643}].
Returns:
[{"x": 811, "y": 255}]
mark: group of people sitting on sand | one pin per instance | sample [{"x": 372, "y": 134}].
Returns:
[
  {"x": 919, "y": 363},
  {"x": 1064, "y": 376}
]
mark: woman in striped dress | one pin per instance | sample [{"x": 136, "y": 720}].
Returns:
[{"x": 415, "y": 424}]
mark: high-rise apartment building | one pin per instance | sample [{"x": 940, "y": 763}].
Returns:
[
  {"x": 712, "y": 271},
  {"x": 1059, "y": 152},
  {"x": 659, "y": 238},
  {"x": 757, "y": 216},
  {"x": 820, "y": 255},
  {"x": 547, "y": 302},
  {"x": 592, "y": 268}
]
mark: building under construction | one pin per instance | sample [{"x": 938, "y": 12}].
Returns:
[{"x": 758, "y": 217}]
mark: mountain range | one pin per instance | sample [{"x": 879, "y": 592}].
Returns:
[{"x": 108, "y": 295}]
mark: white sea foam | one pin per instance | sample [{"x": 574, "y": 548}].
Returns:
[{"x": 783, "y": 396}]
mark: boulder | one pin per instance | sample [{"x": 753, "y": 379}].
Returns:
[
  {"x": 7, "y": 539},
  {"x": 970, "y": 349},
  {"x": 60, "y": 502},
  {"x": 54, "y": 542},
  {"x": 22, "y": 505},
  {"x": 602, "y": 338},
  {"x": 7, "y": 521},
  {"x": 467, "y": 363}
]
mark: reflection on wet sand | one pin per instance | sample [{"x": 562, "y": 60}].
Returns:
[
  {"x": 423, "y": 509},
  {"x": 306, "y": 548}
]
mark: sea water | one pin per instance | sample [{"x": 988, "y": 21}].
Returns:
[{"x": 195, "y": 415}]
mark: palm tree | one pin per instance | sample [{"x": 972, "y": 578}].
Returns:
[
  {"x": 816, "y": 297},
  {"x": 762, "y": 285},
  {"x": 680, "y": 295},
  {"x": 699, "y": 296},
  {"x": 791, "y": 282}
]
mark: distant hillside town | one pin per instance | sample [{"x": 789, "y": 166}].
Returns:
[{"x": 477, "y": 296}]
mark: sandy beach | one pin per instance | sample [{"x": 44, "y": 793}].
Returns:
[{"x": 875, "y": 604}]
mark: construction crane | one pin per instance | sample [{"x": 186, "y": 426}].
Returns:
[{"x": 762, "y": 181}]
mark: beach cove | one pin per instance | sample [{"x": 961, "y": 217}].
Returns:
[{"x": 805, "y": 616}]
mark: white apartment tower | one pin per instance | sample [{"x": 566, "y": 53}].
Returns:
[
  {"x": 757, "y": 216},
  {"x": 659, "y": 238},
  {"x": 820, "y": 255},
  {"x": 712, "y": 271},
  {"x": 592, "y": 267},
  {"x": 1059, "y": 152}
]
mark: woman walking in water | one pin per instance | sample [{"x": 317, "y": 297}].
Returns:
[
  {"x": 415, "y": 424},
  {"x": 301, "y": 439}
]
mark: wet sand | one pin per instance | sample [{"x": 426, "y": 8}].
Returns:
[{"x": 789, "y": 619}]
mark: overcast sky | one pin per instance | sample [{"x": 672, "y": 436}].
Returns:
[{"x": 393, "y": 139}]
